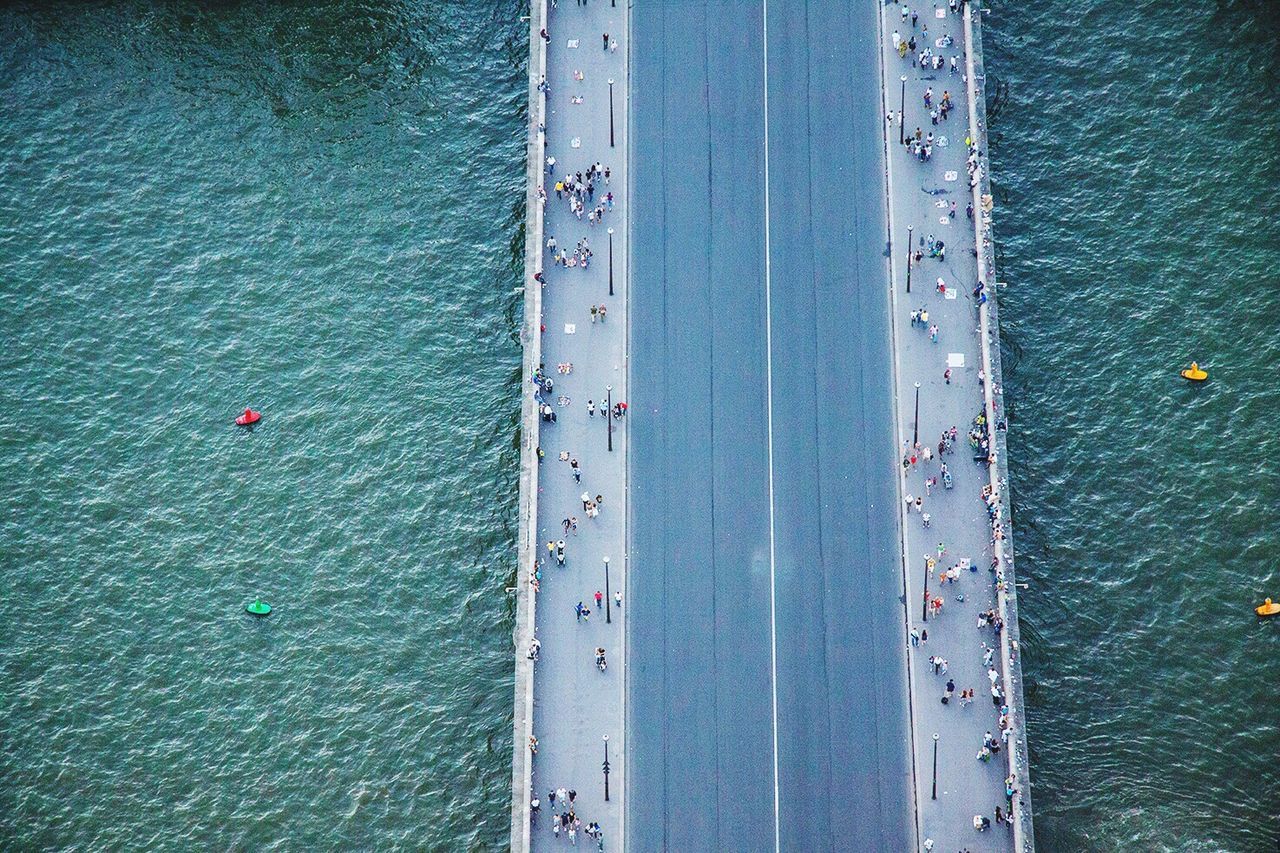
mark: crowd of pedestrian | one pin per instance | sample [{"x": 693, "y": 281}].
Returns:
[
  {"x": 927, "y": 54},
  {"x": 570, "y": 197},
  {"x": 580, "y": 190}
]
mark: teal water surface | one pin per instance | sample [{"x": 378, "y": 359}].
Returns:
[
  {"x": 1136, "y": 169},
  {"x": 314, "y": 210}
]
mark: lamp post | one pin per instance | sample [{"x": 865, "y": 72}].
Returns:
[
  {"x": 924, "y": 615},
  {"x": 608, "y": 415},
  {"x": 910, "y": 230},
  {"x": 915, "y": 432},
  {"x": 608, "y": 611},
  {"x": 610, "y": 232},
  {"x": 605, "y": 768},
  {"x": 935, "y": 765},
  {"x": 902, "y": 114},
  {"x": 610, "y": 112}
]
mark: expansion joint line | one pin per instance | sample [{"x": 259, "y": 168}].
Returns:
[{"x": 768, "y": 337}]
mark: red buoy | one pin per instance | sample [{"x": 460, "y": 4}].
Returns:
[{"x": 249, "y": 418}]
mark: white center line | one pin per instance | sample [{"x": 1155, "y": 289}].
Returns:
[{"x": 768, "y": 338}]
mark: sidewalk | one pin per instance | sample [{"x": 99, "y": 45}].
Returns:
[
  {"x": 575, "y": 704},
  {"x": 928, "y": 201}
]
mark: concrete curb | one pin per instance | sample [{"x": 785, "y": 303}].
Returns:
[
  {"x": 531, "y": 337},
  {"x": 1006, "y": 593}
]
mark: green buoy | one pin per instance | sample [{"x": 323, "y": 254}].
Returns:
[{"x": 258, "y": 608}]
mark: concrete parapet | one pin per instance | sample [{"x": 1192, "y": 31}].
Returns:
[
  {"x": 1007, "y": 597},
  {"x": 531, "y": 338}
]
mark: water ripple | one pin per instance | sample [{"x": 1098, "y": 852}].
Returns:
[
  {"x": 1136, "y": 163},
  {"x": 310, "y": 210}
]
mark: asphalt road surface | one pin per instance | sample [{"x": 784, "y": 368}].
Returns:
[{"x": 767, "y": 682}]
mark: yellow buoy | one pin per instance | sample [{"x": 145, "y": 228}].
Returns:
[
  {"x": 1194, "y": 373},
  {"x": 1267, "y": 608}
]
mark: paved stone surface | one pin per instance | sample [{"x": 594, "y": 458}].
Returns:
[
  {"x": 921, "y": 197},
  {"x": 575, "y": 704},
  {"x": 767, "y": 703}
]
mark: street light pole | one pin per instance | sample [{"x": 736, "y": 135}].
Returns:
[
  {"x": 610, "y": 112},
  {"x": 935, "y": 765},
  {"x": 910, "y": 231},
  {"x": 902, "y": 114},
  {"x": 608, "y": 611},
  {"x": 610, "y": 262},
  {"x": 924, "y": 616},
  {"x": 915, "y": 432},
  {"x": 605, "y": 768},
  {"x": 608, "y": 415}
]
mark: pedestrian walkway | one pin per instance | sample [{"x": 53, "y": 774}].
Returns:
[
  {"x": 952, "y": 513},
  {"x": 582, "y": 500}
]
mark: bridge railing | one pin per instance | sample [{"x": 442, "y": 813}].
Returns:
[
  {"x": 531, "y": 338},
  {"x": 1007, "y": 592}
]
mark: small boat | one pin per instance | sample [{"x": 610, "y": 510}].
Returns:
[
  {"x": 258, "y": 608},
  {"x": 1194, "y": 373},
  {"x": 249, "y": 418},
  {"x": 1267, "y": 608}
]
